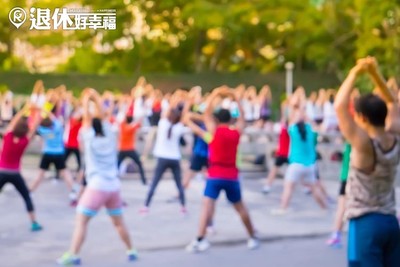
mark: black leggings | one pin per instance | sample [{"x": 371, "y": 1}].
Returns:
[
  {"x": 77, "y": 153},
  {"x": 19, "y": 184},
  {"x": 162, "y": 166},
  {"x": 135, "y": 157}
]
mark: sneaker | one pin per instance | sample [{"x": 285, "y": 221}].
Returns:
[
  {"x": 334, "y": 242},
  {"x": 36, "y": 227},
  {"x": 184, "y": 211},
  {"x": 266, "y": 189},
  {"x": 144, "y": 210},
  {"x": 211, "y": 230},
  {"x": 198, "y": 246},
  {"x": 69, "y": 260},
  {"x": 73, "y": 195},
  {"x": 279, "y": 212},
  {"x": 73, "y": 203},
  {"x": 253, "y": 243},
  {"x": 132, "y": 255}
]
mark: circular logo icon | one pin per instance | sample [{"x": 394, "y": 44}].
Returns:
[{"x": 17, "y": 16}]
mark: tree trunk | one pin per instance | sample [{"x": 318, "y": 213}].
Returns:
[
  {"x": 217, "y": 55},
  {"x": 197, "y": 53}
]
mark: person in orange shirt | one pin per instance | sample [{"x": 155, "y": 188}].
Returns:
[{"x": 127, "y": 137}]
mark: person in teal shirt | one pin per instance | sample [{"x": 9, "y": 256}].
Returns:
[
  {"x": 302, "y": 159},
  {"x": 51, "y": 130}
]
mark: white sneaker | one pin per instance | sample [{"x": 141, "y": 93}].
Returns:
[
  {"x": 266, "y": 189},
  {"x": 279, "y": 212},
  {"x": 73, "y": 195},
  {"x": 253, "y": 243},
  {"x": 211, "y": 230},
  {"x": 198, "y": 246}
]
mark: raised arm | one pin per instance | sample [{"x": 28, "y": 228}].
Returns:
[
  {"x": 379, "y": 81},
  {"x": 86, "y": 116},
  {"x": 392, "y": 123},
  {"x": 209, "y": 120},
  {"x": 353, "y": 134},
  {"x": 16, "y": 118}
]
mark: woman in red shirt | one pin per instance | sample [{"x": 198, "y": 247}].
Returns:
[
  {"x": 223, "y": 140},
  {"x": 15, "y": 141},
  {"x": 72, "y": 142},
  {"x": 281, "y": 157}
]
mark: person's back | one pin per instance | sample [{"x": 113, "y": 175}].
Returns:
[
  {"x": 127, "y": 136},
  {"x": 284, "y": 142},
  {"x": 101, "y": 153},
  {"x": 73, "y": 132},
  {"x": 200, "y": 147},
  {"x": 52, "y": 137},
  {"x": 374, "y": 135},
  {"x": 167, "y": 144},
  {"x": 374, "y": 191},
  {"x": 223, "y": 152},
  {"x": 12, "y": 151},
  {"x": 302, "y": 150}
]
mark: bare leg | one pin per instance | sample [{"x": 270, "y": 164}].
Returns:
[
  {"x": 32, "y": 216},
  {"x": 322, "y": 189},
  {"x": 66, "y": 175},
  {"x": 317, "y": 196},
  {"x": 244, "y": 215},
  {"x": 189, "y": 175},
  {"x": 79, "y": 235},
  {"x": 37, "y": 181},
  {"x": 207, "y": 211},
  {"x": 119, "y": 224},
  {"x": 338, "y": 224},
  {"x": 271, "y": 176},
  {"x": 287, "y": 194}
]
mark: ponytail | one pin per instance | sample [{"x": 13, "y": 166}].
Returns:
[{"x": 301, "y": 127}]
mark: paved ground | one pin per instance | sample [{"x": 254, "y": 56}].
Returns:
[
  {"x": 304, "y": 252},
  {"x": 162, "y": 235}
]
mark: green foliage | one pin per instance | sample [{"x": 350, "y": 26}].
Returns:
[{"x": 220, "y": 35}]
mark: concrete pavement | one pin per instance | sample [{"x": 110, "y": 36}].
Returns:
[{"x": 163, "y": 229}]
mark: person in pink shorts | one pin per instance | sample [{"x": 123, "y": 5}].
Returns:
[{"x": 103, "y": 186}]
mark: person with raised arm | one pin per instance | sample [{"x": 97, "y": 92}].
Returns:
[
  {"x": 223, "y": 174},
  {"x": 167, "y": 150},
  {"x": 100, "y": 140},
  {"x": 15, "y": 141},
  {"x": 302, "y": 154},
  {"x": 373, "y": 133}
]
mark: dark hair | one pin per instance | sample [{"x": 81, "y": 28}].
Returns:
[
  {"x": 21, "y": 128},
  {"x": 129, "y": 119},
  {"x": 331, "y": 98},
  {"x": 373, "y": 108},
  {"x": 223, "y": 115},
  {"x": 97, "y": 127},
  {"x": 46, "y": 122},
  {"x": 174, "y": 117},
  {"x": 301, "y": 127}
]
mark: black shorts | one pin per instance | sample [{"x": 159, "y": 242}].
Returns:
[
  {"x": 342, "y": 190},
  {"x": 281, "y": 160},
  {"x": 318, "y": 121},
  {"x": 48, "y": 159},
  {"x": 265, "y": 117},
  {"x": 197, "y": 163}
]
